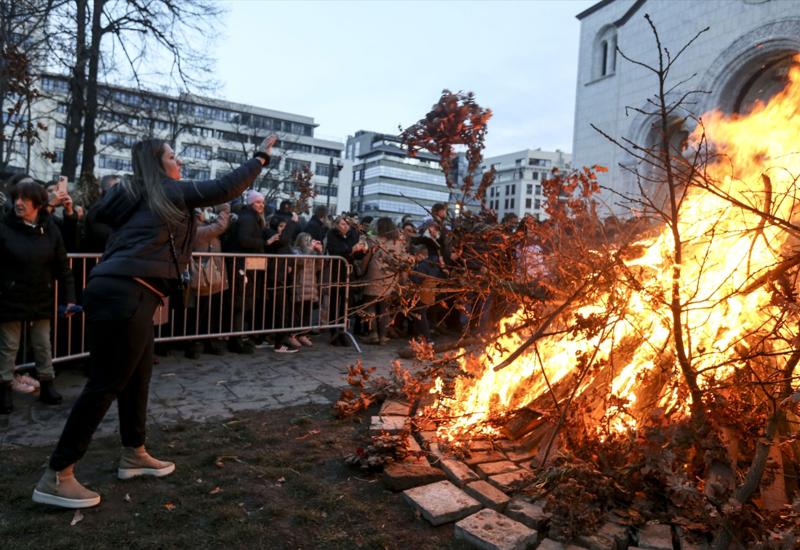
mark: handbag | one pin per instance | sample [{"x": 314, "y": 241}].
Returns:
[{"x": 208, "y": 276}]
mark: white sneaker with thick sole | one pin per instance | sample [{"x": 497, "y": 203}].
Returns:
[
  {"x": 132, "y": 465},
  {"x": 63, "y": 491}
]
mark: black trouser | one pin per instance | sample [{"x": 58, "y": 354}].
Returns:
[{"x": 119, "y": 314}]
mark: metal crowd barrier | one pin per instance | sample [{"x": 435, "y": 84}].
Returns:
[{"x": 232, "y": 295}]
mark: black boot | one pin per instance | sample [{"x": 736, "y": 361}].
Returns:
[
  {"x": 5, "y": 398},
  {"x": 48, "y": 393},
  {"x": 193, "y": 350}
]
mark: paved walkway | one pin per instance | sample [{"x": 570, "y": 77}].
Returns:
[{"x": 210, "y": 387}]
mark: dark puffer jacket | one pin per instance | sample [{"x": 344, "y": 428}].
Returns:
[
  {"x": 139, "y": 245},
  {"x": 31, "y": 259}
]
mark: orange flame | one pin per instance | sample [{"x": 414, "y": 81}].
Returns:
[{"x": 725, "y": 248}]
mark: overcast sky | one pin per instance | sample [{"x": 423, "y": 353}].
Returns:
[{"x": 374, "y": 65}]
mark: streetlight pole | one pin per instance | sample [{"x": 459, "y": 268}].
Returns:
[
  {"x": 332, "y": 171},
  {"x": 330, "y": 182}
]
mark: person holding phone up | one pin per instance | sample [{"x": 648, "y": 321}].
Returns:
[{"x": 149, "y": 248}]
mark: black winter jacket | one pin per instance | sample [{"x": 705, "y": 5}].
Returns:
[
  {"x": 139, "y": 245},
  {"x": 281, "y": 269},
  {"x": 31, "y": 259},
  {"x": 316, "y": 229},
  {"x": 338, "y": 245},
  {"x": 249, "y": 232}
]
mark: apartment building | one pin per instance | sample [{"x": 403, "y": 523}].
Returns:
[
  {"x": 517, "y": 187},
  {"x": 211, "y": 136},
  {"x": 386, "y": 182}
]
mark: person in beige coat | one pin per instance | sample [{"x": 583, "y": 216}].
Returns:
[
  {"x": 209, "y": 280},
  {"x": 387, "y": 253},
  {"x": 306, "y": 284}
]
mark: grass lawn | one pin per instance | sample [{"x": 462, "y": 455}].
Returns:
[{"x": 261, "y": 480}]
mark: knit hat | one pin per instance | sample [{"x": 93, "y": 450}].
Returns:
[{"x": 253, "y": 196}]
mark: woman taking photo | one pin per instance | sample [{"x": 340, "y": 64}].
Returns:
[{"x": 149, "y": 249}]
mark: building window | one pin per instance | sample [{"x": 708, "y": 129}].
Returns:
[
  {"x": 61, "y": 131},
  {"x": 197, "y": 173},
  {"x": 538, "y": 189},
  {"x": 294, "y": 165},
  {"x": 528, "y": 203},
  {"x": 115, "y": 163},
  {"x": 605, "y": 53},
  {"x": 232, "y": 156},
  {"x": 512, "y": 204},
  {"x": 536, "y": 176},
  {"x": 514, "y": 189},
  {"x": 335, "y": 153},
  {"x": 117, "y": 139},
  {"x": 529, "y": 189},
  {"x": 197, "y": 152},
  {"x": 536, "y": 204}
]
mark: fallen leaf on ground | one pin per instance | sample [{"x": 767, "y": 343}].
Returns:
[
  {"x": 281, "y": 480},
  {"x": 308, "y": 434},
  {"x": 214, "y": 491},
  {"x": 167, "y": 374},
  {"x": 127, "y": 497},
  {"x": 76, "y": 518},
  {"x": 169, "y": 506}
]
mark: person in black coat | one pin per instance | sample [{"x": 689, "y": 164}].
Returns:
[
  {"x": 148, "y": 250},
  {"x": 247, "y": 236},
  {"x": 343, "y": 240},
  {"x": 279, "y": 278},
  {"x": 317, "y": 226},
  {"x": 32, "y": 258}
]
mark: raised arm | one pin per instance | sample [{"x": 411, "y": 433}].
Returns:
[{"x": 197, "y": 194}]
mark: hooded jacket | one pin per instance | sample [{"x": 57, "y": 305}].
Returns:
[
  {"x": 139, "y": 245},
  {"x": 32, "y": 258}
]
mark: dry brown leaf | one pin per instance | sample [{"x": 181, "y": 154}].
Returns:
[
  {"x": 169, "y": 506},
  {"x": 215, "y": 491},
  {"x": 76, "y": 518}
]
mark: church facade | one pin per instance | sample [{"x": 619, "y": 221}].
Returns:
[{"x": 744, "y": 56}]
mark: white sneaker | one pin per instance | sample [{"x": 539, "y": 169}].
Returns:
[
  {"x": 21, "y": 387},
  {"x": 133, "y": 465},
  {"x": 285, "y": 349}
]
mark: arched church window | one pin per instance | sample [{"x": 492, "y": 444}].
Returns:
[{"x": 605, "y": 53}]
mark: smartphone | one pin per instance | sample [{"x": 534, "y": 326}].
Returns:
[{"x": 61, "y": 184}]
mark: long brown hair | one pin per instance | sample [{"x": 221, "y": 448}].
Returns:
[{"x": 148, "y": 181}]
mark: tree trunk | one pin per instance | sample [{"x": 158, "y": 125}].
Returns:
[
  {"x": 77, "y": 87},
  {"x": 90, "y": 120}
]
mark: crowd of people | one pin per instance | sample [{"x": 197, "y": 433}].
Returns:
[
  {"x": 397, "y": 269},
  {"x": 390, "y": 276}
]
